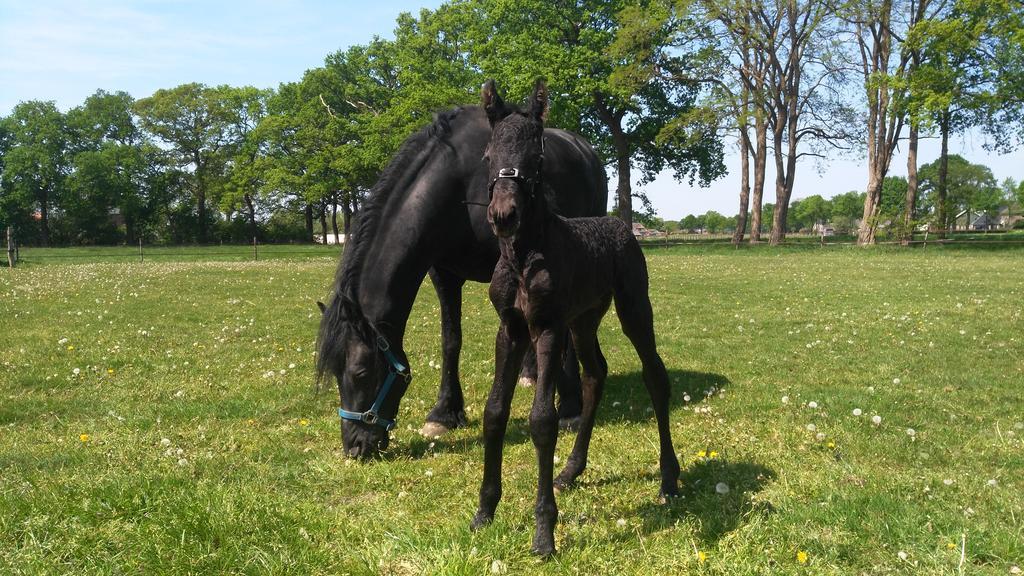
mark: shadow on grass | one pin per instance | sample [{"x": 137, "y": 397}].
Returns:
[
  {"x": 631, "y": 394},
  {"x": 718, "y": 514},
  {"x": 627, "y": 390}
]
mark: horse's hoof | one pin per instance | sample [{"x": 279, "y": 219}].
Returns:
[
  {"x": 543, "y": 549},
  {"x": 569, "y": 424},
  {"x": 433, "y": 430},
  {"x": 527, "y": 382}
]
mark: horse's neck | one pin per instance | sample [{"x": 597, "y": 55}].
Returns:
[{"x": 400, "y": 252}]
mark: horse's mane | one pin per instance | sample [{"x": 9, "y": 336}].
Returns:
[{"x": 343, "y": 312}]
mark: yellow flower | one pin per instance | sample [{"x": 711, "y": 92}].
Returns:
[
  {"x": 71, "y": 347},
  {"x": 713, "y": 454},
  {"x": 304, "y": 422},
  {"x": 251, "y": 421},
  {"x": 950, "y": 545},
  {"x": 701, "y": 557},
  {"x": 83, "y": 437},
  {"x": 831, "y": 444},
  {"x": 110, "y": 370},
  {"x": 702, "y": 454},
  {"x": 801, "y": 557}
]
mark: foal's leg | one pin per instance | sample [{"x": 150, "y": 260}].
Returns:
[
  {"x": 633, "y": 306},
  {"x": 544, "y": 432},
  {"x": 510, "y": 345},
  {"x": 570, "y": 397},
  {"x": 595, "y": 370},
  {"x": 449, "y": 411}
]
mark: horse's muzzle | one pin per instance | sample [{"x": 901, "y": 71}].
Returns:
[
  {"x": 504, "y": 221},
  {"x": 361, "y": 441}
]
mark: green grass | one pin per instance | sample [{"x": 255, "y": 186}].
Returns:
[{"x": 209, "y": 453}]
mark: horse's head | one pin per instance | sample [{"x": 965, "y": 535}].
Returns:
[
  {"x": 515, "y": 156},
  {"x": 371, "y": 377}
]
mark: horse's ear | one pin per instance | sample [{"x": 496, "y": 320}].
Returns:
[
  {"x": 321, "y": 306},
  {"x": 539, "y": 101},
  {"x": 492, "y": 102}
]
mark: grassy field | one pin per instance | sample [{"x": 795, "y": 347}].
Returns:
[{"x": 159, "y": 418}]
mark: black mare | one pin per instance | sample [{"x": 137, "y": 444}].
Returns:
[
  {"x": 556, "y": 275},
  {"x": 427, "y": 212}
]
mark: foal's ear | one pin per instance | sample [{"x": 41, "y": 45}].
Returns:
[
  {"x": 539, "y": 101},
  {"x": 493, "y": 104}
]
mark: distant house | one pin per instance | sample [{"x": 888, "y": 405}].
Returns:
[
  {"x": 823, "y": 229},
  {"x": 1007, "y": 221},
  {"x": 973, "y": 220},
  {"x": 331, "y": 238},
  {"x": 640, "y": 231}
]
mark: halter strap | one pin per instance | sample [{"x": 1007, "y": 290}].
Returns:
[{"x": 395, "y": 369}]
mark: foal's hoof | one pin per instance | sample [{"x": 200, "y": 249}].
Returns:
[
  {"x": 527, "y": 382},
  {"x": 434, "y": 430},
  {"x": 569, "y": 424},
  {"x": 480, "y": 520}
]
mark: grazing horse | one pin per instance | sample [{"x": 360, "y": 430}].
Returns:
[
  {"x": 427, "y": 212},
  {"x": 556, "y": 275}
]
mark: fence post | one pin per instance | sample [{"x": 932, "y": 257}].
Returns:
[
  {"x": 10, "y": 248},
  {"x": 142, "y": 257},
  {"x": 255, "y": 250}
]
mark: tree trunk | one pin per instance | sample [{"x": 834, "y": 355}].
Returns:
[
  {"x": 346, "y": 211},
  {"x": 741, "y": 219},
  {"x": 44, "y": 216},
  {"x": 624, "y": 191},
  {"x": 872, "y": 203},
  {"x": 309, "y": 222},
  {"x": 940, "y": 211},
  {"x": 201, "y": 206},
  {"x": 910, "y": 203},
  {"x": 334, "y": 217},
  {"x": 760, "y": 162},
  {"x": 253, "y": 230},
  {"x": 323, "y": 222}
]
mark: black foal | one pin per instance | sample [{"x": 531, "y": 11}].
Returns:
[{"x": 556, "y": 275}]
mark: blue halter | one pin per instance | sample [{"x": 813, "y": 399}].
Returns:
[{"x": 372, "y": 416}]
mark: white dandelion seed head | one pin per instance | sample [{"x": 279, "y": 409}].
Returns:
[
  {"x": 812, "y": 404},
  {"x": 895, "y": 380},
  {"x": 820, "y": 436},
  {"x": 857, "y": 412},
  {"x": 876, "y": 419},
  {"x": 811, "y": 427},
  {"x": 722, "y": 488},
  {"x": 621, "y": 522},
  {"x": 911, "y": 432},
  {"x": 785, "y": 399},
  {"x": 165, "y": 442}
]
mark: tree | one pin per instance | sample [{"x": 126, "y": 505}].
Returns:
[
  {"x": 245, "y": 108},
  {"x": 810, "y": 211},
  {"x": 969, "y": 75},
  {"x": 969, "y": 187},
  {"x": 36, "y": 163},
  {"x": 195, "y": 121},
  {"x": 605, "y": 81},
  {"x": 110, "y": 161}
]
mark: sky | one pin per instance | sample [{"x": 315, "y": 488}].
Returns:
[{"x": 64, "y": 50}]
